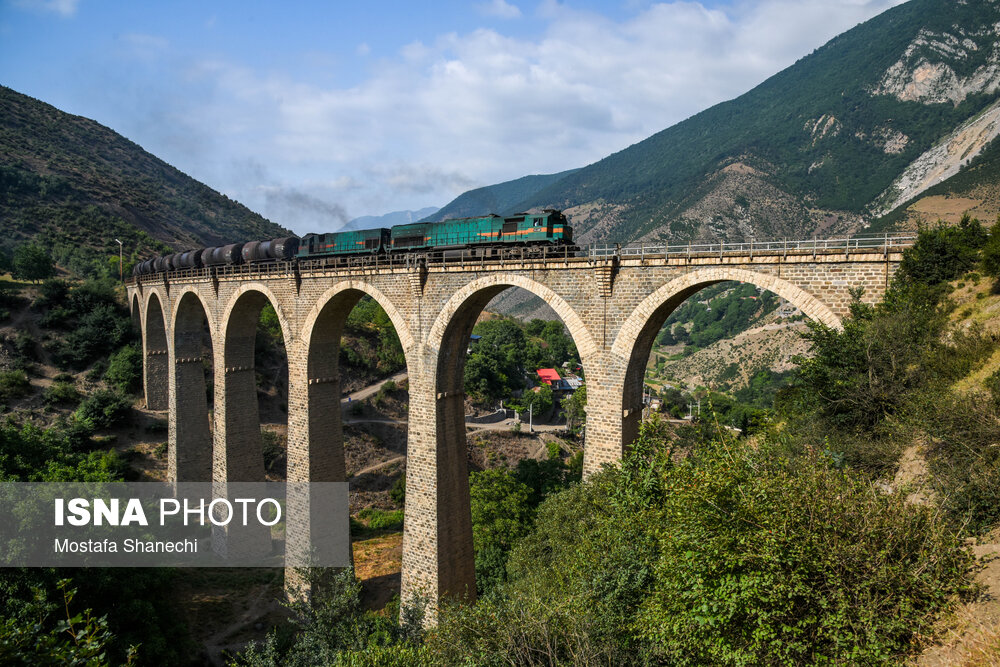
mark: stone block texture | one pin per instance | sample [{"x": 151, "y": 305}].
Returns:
[{"x": 613, "y": 310}]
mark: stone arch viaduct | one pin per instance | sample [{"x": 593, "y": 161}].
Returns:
[{"x": 613, "y": 301}]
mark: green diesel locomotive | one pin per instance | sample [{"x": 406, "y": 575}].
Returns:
[{"x": 473, "y": 237}]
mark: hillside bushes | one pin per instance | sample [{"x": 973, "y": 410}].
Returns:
[
  {"x": 885, "y": 381},
  {"x": 729, "y": 555},
  {"x": 91, "y": 321}
]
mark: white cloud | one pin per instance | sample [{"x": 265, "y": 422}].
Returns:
[
  {"x": 465, "y": 110},
  {"x": 145, "y": 46},
  {"x": 500, "y": 9},
  {"x": 64, "y": 8}
]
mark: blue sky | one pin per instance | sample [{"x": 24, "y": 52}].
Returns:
[{"x": 313, "y": 113}]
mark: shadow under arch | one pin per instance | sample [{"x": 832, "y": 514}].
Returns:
[
  {"x": 447, "y": 345},
  {"x": 155, "y": 354},
  {"x": 237, "y": 454},
  {"x": 135, "y": 311},
  {"x": 635, "y": 339},
  {"x": 319, "y": 456},
  {"x": 189, "y": 449}
]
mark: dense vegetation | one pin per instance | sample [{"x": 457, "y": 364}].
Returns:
[
  {"x": 373, "y": 344},
  {"x": 508, "y": 351},
  {"x": 71, "y": 616},
  {"x": 888, "y": 378}
]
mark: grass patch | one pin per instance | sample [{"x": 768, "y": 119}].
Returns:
[{"x": 372, "y": 519}]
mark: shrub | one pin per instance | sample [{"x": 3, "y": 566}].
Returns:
[
  {"x": 555, "y": 451},
  {"x": 14, "y": 384},
  {"x": 377, "y": 519},
  {"x": 52, "y": 293},
  {"x": 964, "y": 457},
  {"x": 31, "y": 262},
  {"x": 24, "y": 344},
  {"x": 990, "y": 262},
  {"x": 61, "y": 393},
  {"x": 729, "y": 555},
  {"x": 97, "y": 371},
  {"x": 274, "y": 453},
  {"x": 943, "y": 253},
  {"x": 157, "y": 426},
  {"x": 104, "y": 409},
  {"x": 334, "y": 630},
  {"x": 387, "y": 388},
  {"x": 993, "y": 386},
  {"x": 398, "y": 491},
  {"x": 125, "y": 370}
]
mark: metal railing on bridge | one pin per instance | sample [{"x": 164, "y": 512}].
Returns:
[{"x": 868, "y": 243}]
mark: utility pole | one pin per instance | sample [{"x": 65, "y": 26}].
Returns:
[
  {"x": 121, "y": 270},
  {"x": 531, "y": 415}
]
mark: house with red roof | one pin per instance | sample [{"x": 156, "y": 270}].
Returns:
[{"x": 549, "y": 376}]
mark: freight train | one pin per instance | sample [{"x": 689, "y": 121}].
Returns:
[{"x": 483, "y": 237}]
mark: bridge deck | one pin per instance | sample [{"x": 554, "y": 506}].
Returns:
[{"x": 757, "y": 252}]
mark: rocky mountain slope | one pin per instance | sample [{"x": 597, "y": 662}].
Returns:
[
  {"x": 74, "y": 184},
  {"x": 863, "y": 124}
]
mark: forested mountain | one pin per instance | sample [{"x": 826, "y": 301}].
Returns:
[
  {"x": 859, "y": 126},
  {"x": 73, "y": 185},
  {"x": 500, "y": 198}
]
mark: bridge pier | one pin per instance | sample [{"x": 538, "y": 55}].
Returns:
[
  {"x": 189, "y": 450},
  {"x": 438, "y": 556},
  {"x": 237, "y": 451},
  {"x": 605, "y": 438},
  {"x": 155, "y": 367}
]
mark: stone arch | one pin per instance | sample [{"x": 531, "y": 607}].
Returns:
[
  {"x": 494, "y": 284},
  {"x": 635, "y": 338},
  {"x": 237, "y": 452},
  {"x": 316, "y": 452},
  {"x": 287, "y": 331},
  {"x": 447, "y": 474},
  {"x": 189, "y": 449},
  {"x": 155, "y": 353},
  {"x": 361, "y": 288}
]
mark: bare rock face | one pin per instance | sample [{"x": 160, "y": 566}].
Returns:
[
  {"x": 945, "y": 67},
  {"x": 742, "y": 200},
  {"x": 943, "y": 160}
]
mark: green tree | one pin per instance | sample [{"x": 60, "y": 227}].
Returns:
[
  {"x": 495, "y": 369},
  {"x": 733, "y": 554},
  {"x": 500, "y": 516},
  {"x": 33, "y": 639},
  {"x": 943, "y": 253},
  {"x": 31, "y": 262},
  {"x": 575, "y": 409},
  {"x": 991, "y": 252},
  {"x": 125, "y": 370}
]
